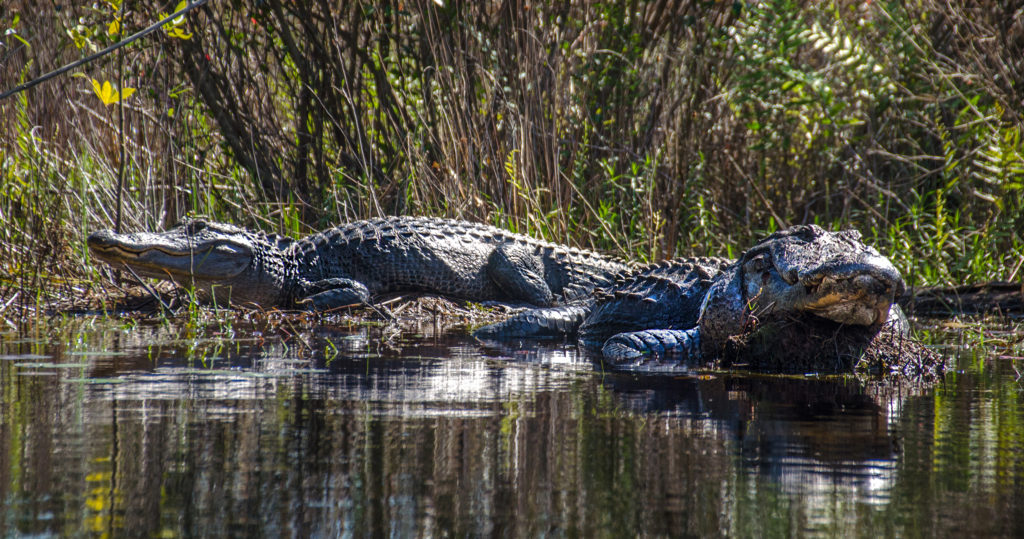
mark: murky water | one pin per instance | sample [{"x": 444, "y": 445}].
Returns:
[{"x": 158, "y": 430}]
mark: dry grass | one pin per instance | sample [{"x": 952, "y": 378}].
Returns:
[{"x": 650, "y": 130}]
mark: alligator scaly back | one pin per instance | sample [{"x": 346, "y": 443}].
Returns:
[{"x": 354, "y": 262}]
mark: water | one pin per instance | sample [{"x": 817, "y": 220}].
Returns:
[{"x": 269, "y": 429}]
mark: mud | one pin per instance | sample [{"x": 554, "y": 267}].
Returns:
[{"x": 814, "y": 345}]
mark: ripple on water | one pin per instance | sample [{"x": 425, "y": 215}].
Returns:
[{"x": 19, "y": 357}]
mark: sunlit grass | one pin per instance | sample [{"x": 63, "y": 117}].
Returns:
[{"x": 694, "y": 136}]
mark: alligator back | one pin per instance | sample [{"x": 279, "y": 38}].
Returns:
[{"x": 449, "y": 257}]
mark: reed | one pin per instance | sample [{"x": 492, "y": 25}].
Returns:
[{"x": 647, "y": 129}]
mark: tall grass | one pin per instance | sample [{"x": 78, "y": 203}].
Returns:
[{"x": 649, "y": 129}]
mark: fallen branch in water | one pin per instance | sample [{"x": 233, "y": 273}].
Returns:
[{"x": 984, "y": 298}]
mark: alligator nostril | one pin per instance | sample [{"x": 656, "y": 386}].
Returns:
[
  {"x": 812, "y": 281},
  {"x": 871, "y": 284}
]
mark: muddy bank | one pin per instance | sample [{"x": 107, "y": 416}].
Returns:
[{"x": 787, "y": 345}]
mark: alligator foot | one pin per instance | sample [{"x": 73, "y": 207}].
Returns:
[
  {"x": 336, "y": 294},
  {"x": 633, "y": 345},
  {"x": 519, "y": 273}
]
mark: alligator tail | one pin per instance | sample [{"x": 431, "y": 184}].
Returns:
[
  {"x": 545, "y": 322},
  {"x": 635, "y": 345}
]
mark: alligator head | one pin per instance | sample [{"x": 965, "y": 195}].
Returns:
[
  {"x": 221, "y": 261},
  {"x": 803, "y": 270}
]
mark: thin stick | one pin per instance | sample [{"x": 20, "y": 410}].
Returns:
[
  {"x": 108, "y": 50},
  {"x": 120, "y": 125}
]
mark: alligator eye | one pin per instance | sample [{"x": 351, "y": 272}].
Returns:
[
  {"x": 196, "y": 226},
  {"x": 758, "y": 264}
]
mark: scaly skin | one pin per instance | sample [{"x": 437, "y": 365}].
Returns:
[
  {"x": 691, "y": 307},
  {"x": 352, "y": 263},
  {"x": 634, "y": 301}
]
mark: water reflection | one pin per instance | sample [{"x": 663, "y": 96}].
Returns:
[{"x": 327, "y": 431}]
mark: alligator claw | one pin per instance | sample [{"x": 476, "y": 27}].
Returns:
[{"x": 336, "y": 294}]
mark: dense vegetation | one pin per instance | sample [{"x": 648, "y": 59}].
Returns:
[{"x": 648, "y": 129}]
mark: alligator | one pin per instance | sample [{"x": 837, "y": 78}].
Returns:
[
  {"x": 803, "y": 278},
  {"x": 356, "y": 262}
]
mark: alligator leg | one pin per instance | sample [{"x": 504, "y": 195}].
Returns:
[
  {"x": 328, "y": 294},
  {"x": 684, "y": 343},
  {"x": 547, "y": 322},
  {"x": 519, "y": 273}
]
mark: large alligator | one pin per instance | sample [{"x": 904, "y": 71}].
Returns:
[
  {"x": 803, "y": 279},
  {"x": 352, "y": 263}
]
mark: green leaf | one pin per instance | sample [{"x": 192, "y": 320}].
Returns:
[
  {"x": 78, "y": 37},
  {"x": 786, "y": 86},
  {"x": 15, "y": 35}
]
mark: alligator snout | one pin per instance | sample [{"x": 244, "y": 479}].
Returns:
[
  {"x": 874, "y": 274},
  {"x": 102, "y": 239},
  {"x": 862, "y": 300},
  {"x": 885, "y": 273},
  {"x": 859, "y": 294}
]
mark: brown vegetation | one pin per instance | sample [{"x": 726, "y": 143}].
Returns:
[{"x": 651, "y": 129}]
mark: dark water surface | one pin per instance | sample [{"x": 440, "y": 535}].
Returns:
[{"x": 114, "y": 427}]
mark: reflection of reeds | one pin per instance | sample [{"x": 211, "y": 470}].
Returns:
[
  {"x": 665, "y": 130},
  {"x": 428, "y": 440}
]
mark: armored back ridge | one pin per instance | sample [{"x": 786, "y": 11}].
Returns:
[{"x": 349, "y": 264}]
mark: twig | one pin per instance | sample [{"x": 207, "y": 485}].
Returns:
[
  {"x": 149, "y": 30},
  {"x": 767, "y": 203},
  {"x": 9, "y": 302},
  {"x": 147, "y": 287}
]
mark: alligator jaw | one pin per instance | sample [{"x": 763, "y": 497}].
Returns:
[
  {"x": 859, "y": 294},
  {"x": 166, "y": 256},
  {"x": 862, "y": 300}
]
